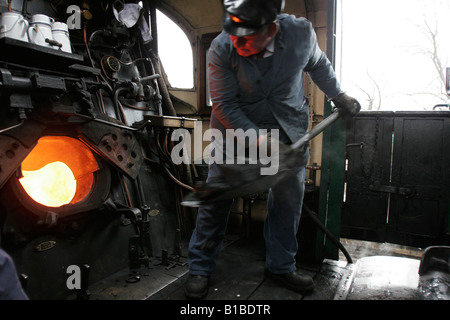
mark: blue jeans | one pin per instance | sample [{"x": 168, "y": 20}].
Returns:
[{"x": 284, "y": 208}]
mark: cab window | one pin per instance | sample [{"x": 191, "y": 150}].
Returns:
[{"x": 175, "y": 52}]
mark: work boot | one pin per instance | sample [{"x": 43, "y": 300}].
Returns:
[
  {"x": 294, "y": 281},
  {"x": 196, "y": 287}
]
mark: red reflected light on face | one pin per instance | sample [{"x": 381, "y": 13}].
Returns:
[{"x": 255, "y": 43}]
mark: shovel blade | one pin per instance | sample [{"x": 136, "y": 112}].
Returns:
[{"x": 238, "y": 180}]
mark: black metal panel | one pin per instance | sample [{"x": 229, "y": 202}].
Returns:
[
  {"x": 101, "y": 243},
  {"x": 398, "y": 178},
  {"x": 421, "y": 161},
  {"x": 369, "y": 141}
]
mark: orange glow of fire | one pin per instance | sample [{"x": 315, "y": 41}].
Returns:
[
  {"x": 53, "y": 185},
  {"x": 58, "y": 171},
  {"x": 235, "y": 19}
]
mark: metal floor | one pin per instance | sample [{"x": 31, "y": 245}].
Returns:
[{"x": 379, "y": 272}]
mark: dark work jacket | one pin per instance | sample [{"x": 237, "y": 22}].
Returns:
[{"x": 241, "y": 95}]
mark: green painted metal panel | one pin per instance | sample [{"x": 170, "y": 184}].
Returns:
[{"x": 331, "y": 187}]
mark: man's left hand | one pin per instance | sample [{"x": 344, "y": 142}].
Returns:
[{"x": 349, "y": 104}]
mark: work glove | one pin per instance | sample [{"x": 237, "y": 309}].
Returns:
[{"x": 347, "y": 103}]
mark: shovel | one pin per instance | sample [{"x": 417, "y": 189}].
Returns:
[{"x": 238, "y": 180}]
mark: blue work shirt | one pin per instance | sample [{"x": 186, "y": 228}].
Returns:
[{"x": 243, "y": 97}]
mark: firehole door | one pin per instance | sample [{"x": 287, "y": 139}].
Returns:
[{"x": 398, "y": 178}]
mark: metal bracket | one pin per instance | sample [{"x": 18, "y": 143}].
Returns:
[
  {"x": 406, "y": 191},
  {"x": 116, "y": 144},
  {"x": 170, "y": 122}
]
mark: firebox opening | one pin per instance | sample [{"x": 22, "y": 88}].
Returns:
[{"x": 58, "y": 171}]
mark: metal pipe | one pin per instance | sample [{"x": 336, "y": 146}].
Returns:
[
  {"x": 154, "y": 76},
  {"x": 169, "y": 110},
  {"x": 12, "y": 127},
  {"x": 116, "y": 102},
  {"x": 333, "y": 239},
  {"x": 107, "y": 122},
  {"x": 318, "y": 129}
]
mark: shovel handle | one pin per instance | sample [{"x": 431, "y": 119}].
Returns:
[{"x": 318, "y": 129}]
